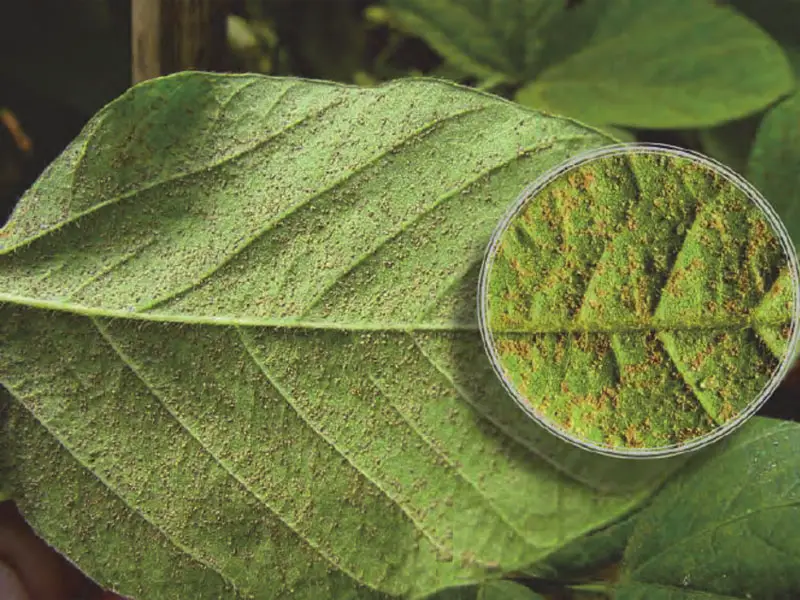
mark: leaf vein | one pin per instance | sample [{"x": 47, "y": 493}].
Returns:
[
  {"x": 175, "y": 543},
  {"x": 290, "y": 525},
  {"x": 499, "y": 425},
  {"x": 179, "y": 176},
  {"x": 683, "y": 374},
  {"x": 442, "y": 200},
  {"x": 271, "y": 224},
  {"x": 733, "y": 448},
  {"x": 446, "y": 458},
  {"x": 293, "y": 404}
]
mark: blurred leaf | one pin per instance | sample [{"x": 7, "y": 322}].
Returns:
[
  {"x": 491, "y": 590},
  {"x": 618, "y": 133},
  {"x": 447, "y": 70},
  {"x": 240, "y": 36},
  {"x": 490, "y": 83},
  {"x": 665, "y": 64},
  {"x": 377, "y": 15},
  {"x": 483, "y": 38},
  {"x": 731, "y": 142},
  {"x": 726, "y": 527},
  {"x": 253, "y": 42},
  {"x": 364, "y": 79},
  {"x": 779, "y": 18},
  {"x": 505, "y": 590},
  {"x": 774, "y": 166},
  {"x": 325, "y": 40}
]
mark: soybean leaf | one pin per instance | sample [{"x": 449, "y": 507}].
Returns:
[
  {"x": 666, "y": 64},
  {"x": 505, "y": 590},
  {"x": 239, "y": 333},
  {"x": 779, "y": 18},
  {"x": 640, "y": 301},
  {"x": 618, "y": 133},
  {"x": 589, "y": 553},
  {"x": 774, "y": 166},
  {"x": 731, "y": 143},
  {"x": 726, "y": 527},
  {"x": 482, "y": 37},
  {"x": 490, "y": 590}
]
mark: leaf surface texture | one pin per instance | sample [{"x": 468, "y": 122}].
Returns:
[{"x": 238, "y": 324}]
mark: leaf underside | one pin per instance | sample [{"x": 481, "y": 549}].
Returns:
[
  {"x": 238, "y": 332},
  {"x": 640, "y": 300}
]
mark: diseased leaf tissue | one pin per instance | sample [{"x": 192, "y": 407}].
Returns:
[
  {"x": 241, "y": 355},
  {"x": 238, "y": 324},
  {"x": 640, "y": 300}
]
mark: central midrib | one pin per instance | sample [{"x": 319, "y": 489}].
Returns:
[{"x": 729, "y": 323}]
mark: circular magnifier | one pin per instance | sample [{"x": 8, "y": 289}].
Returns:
[{"x": 640, "y": 300}]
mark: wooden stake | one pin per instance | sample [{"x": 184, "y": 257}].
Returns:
[{"x": 177, "y": 35}]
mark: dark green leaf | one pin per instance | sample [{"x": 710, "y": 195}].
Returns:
[
  {"x": 780, "y": 19},
  {"x": 238, "y": 322},
  {"x": 618, "y": 133},
  {"x": 506, "y": 590},
  {"x": 726, "y": 527},
  {"x": 671, "y": 63},
  {"x": 584, "y": 555},
  {"x": 730, "y": 143},
  {"x": 324, "y": 39},
  {"x": 490, "y": 590},
  {"x": 774, "y": 166},
  {"x": 482, "y": 37}
]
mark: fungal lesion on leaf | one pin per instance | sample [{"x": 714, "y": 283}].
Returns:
[
  {"x": 632, "y": 436},
  {"x": 660, "y": 240}
]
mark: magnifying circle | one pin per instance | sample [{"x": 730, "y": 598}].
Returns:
[{"x": 640, "y": 301}]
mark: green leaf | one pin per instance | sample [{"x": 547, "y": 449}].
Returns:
[
  {"x": 629, "y": 301},
  {"x": 618, "y": 133},
  {"x": 584, "y": 555},
  {"x": 731, "y": 142},
  {"x": 506, "y": 590},
  {"x": 238, "y": 324},
  {"x": 666, "y": 64},
  {"x": 484, "y": 38},
  {"x": 490, "y": 590},
  {"x": 779, "y": 18},
  {"x": 726, "y": 527},
  {"x": 774, "y": 166}
]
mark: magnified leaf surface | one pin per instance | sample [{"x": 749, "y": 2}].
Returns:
[{"x": 640, "y": 300}]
